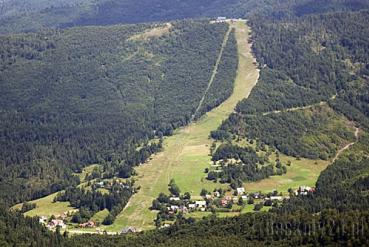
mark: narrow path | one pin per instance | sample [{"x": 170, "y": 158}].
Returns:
[
  {"x": 295, "y": 108},
  {"x": 186, "y": 152},
  {"x": 90, "y": 232},
  {"x": 301, "y": 107},
  {"x": 347, "y": 146},
  {"x": 214, "y": 73}
]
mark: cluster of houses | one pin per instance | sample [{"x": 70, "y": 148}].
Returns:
[
  {"x": 53, "y": 223},
  {"x": 211, "y": 201},
  {"x": 108, "y": 185},
  {"x": 223, "y": 19},
  {"x": 304, "y": 190},
  {"x": 88, "y": 224},
  {"x": 56, "y": 221},
  {"x": 59, "y": 221},
  {"x": 186, "y": 207},
  {"x": 177, "y": 205}
]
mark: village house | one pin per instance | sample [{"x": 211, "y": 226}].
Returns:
[
  {"x": 276, "y": 198},
  {"x": 235, "y": 199},
  {"x": 174, "y": 198},
  {"x": 216, "y": 194},
  {"x": 221, "y": 19},
  {"x": 191, "y": 206},
  {"x": 244, "y": 197},
  {"x": 257, "y": 195},
  {"x": 56, "y": 223},
  {"x": 240, "y": 191},
  {"x": 127, "y": 230},
  {"x": 304, "y": 190},
  {"x": 200, "y": 204},
  {"x": 174, "y": 208},
  {"x": 42, "y": 220},
  {"x": 224, "y": 202},
  {"x": 183, "y": 210},
  {"x": 166, "y": 225},
  {"x": 208, "y": 197},
  {"x": 90, "y": 224}
]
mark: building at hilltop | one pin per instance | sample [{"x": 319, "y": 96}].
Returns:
[{"x": 221, "y": 19}]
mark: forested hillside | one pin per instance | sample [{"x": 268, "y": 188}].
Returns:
[
  {"x": 95, "y": 94},
  {"x": 20, "y": 15},
  {"x": 312, "y": 70},
  {"x": 329, "y": 228},
  {"x": 15, "y": 230}
]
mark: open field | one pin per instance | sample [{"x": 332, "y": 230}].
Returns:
[
  {"x": 186, "y": 153},
  {"x": 100, "y": 216},
  {"x": 248, "y": 208},
  {"x": 301, "y": 172},
  {"x": 86, "y": 171},
  {"x": 46, "y": 207}
]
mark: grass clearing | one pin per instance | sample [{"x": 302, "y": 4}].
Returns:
[
  {"x": 186, "y": 153},
  {"x": 100, "y": 216},
  {"x": 301, "y": 172},
  {"x": 86, "y": 171},
  {"x": 155, "y": 32},
  {"x": 46, "y": 207}
]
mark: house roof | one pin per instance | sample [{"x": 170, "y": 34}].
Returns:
[
  {"x": 128, "y": 230},
  {"x": 201, "y": 202}
]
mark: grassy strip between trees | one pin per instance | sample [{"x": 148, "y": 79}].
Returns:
[{"x": 186, "y": 153}]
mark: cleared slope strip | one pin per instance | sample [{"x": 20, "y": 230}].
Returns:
[
  {"x": 186, "y": 153},
  {"x": 213, "y": 75}
]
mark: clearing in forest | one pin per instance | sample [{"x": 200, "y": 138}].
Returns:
[
  {"x": 186, "y": 153},
  {"x": 153, "y": 33}
]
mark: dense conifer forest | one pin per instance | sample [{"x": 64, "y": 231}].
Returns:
[
  {"x": 21, "y": 15},
  {"x": 16, "y": 230},
  {"x": 313, "y": 69},
  {"x": 94, "y": 95}
]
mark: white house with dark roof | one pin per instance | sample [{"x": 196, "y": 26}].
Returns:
[
  {"x": 200, "y": 204},
  {"x": 240, "y": 191}
]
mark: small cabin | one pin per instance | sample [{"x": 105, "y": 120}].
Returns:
[
  {"x": 200, "y": 204},
  {"x": 240, "y": 191},
  {"x": 221, "y": 19},
  {"x": 127, "y": 230}
]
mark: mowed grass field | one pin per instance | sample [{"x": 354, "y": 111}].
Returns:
[
  {"x": 186, "y": 153},
  {"x": 301, "y": 172},
  {"x": 46, "y": 207}
]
